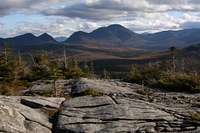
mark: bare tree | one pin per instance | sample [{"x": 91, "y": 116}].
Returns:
[
  {"x": 172, "y": 51},
  {"x": 65, "y": 58}
]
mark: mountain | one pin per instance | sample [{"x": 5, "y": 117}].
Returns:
[
  {"x": 46, "y": 38},
  {"x": 192, "y": 51},
  {"x": 1, "y": 43},
  {"x": 111, "y": 36},
  {"x": 60, "y": 39},
  {"x": 30, "y": 39},
  {"x": 113, "y": 33},
  {"x": 79, "y": 37},
  {"x": 193, "y": 48},
  {"x": 119, "y": 36},
  {"x": 1, "y": 40},
  {"x": 180, "y": 39}
]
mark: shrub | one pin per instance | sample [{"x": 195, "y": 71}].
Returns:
[
  {"x": 72, "y": 73},
  {"x": 90, "y": 92},
  {"x": 134, "y": 75},
  {"x": 157, "y": 77},
  {"x": 194, "y": 117},
  {"x": 39, "y": 72},
  {"x": 144, "y": 75},
  {"x": 9, "y": 89},
  {"x": 179, "y": 82},
  {"x": 5, "y": 89},
  {"x": 144, "y": 92},
  {"x": 23, "y": 83},
  {"x": 42, "y": 93}
]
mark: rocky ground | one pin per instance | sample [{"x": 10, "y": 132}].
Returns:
[{"x": 120, "y": 107}]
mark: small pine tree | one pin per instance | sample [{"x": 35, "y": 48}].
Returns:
[
  {"x": 86, "y": 70},
  {"x": 106, "y": 74},
  {"x": 134, "y": 75},
  {"x": 92, "y": 68}
]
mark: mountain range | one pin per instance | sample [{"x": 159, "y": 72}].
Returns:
[
  {"x": 60, "y": 39},
  {"x": 119, "y": 36},
  {"x": 113, "y": 36},
  {"x": 29, "y": 39},
  {"x": 112, "y": 47}
]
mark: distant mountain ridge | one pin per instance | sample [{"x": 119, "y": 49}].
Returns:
[
  {"x": 29, "y": 39},
  {"x": 60, "y": 39},
  {"x": 119, "y": 36},
  {"x": 113, "y": 36}
]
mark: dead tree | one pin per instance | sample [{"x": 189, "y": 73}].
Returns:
[{"x": 172, "y": 52}]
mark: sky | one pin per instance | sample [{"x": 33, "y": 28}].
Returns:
[{"x": 63, "y": 17}]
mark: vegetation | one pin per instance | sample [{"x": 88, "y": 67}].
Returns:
[
  {"x": 159, "y": 75},
  {"x": 90, "y": 92},
  {"x": 16, "y": 74},
  {"x": 180, "y": 82},
  {"x": 166, "y": 75},
  {"x": 145, "y": 92},
  {"x": 42, "y": 93},
  {"x": 195, "y": 117}
]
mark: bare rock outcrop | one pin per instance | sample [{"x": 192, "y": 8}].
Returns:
[
  {"x": 121, "y": 107},
  {"x": 17, "y": 117},
  {"x": 108, "y": 114}
]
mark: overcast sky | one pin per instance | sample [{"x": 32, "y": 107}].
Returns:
[{"x": 63, "y": 17}]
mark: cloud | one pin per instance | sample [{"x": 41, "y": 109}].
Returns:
[
  {"x": 112, "y": 9},
  {"x": 9, "y": 6},
  {"x": 1, "y": 25},
  {"x": 66, "y": 16},
  {"x": 97, "y": 9},
  {"x": 57, "y": 27}
]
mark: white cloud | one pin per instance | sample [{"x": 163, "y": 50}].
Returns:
[
  {"x": 67, "y": 16},
  {"x": 57, "y": 27},
  {"x": 13, "y": 6},
  {"x": 1, "y": 25}
]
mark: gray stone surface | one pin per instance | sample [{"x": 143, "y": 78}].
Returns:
[
  {"x": 104, "y": 86},
  {"x": 123, "y": 108},
  {"x": 18, "y": 118},
  {"x": 45, "y": 86},
  {"x": 106, "y": 114},
  {"x": 39, "y": 102}
]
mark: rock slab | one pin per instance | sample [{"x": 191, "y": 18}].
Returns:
[
  {"x": 19, "y": 118},
  {"x": 110, "y": 115}
]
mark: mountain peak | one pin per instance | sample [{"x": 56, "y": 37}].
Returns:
[
  {"x": 26, "y": 35},
  {"x": 77, "y": 37},
  {"x": 114, "y": 34},
  {"x": 30, "y": 39},
  {"x": 116, "y": 26},
  {"x": 80, "y": 33},
  {"x": 46, "y": 37}
]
